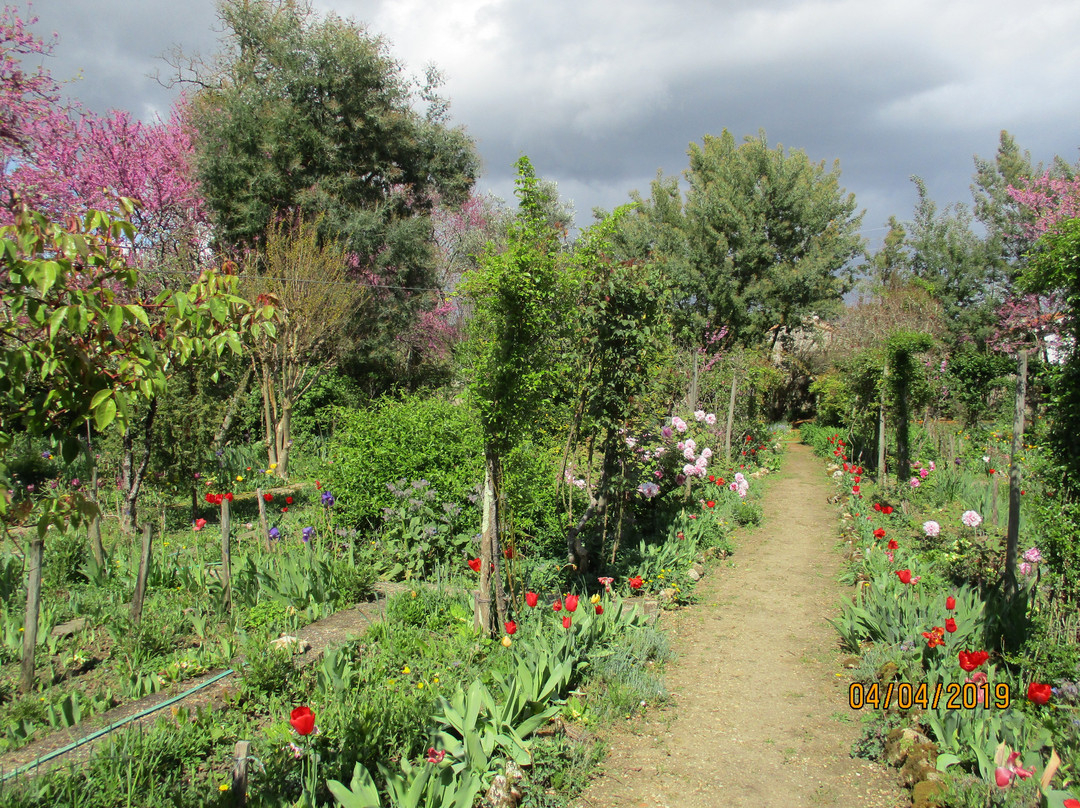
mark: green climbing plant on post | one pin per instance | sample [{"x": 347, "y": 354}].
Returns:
[
  {"x": 521, "y": 296},
  {"x": 901, "y": 348}
]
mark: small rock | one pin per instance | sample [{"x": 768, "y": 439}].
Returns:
[
  {"x": 294, "y": 644},
  {"x": 901, "y": 741},
  {"x": 69, "y": 628},
  {"x": 699, "y": 569},
  {"x": 667, "y": 595},
  {"x": 693, "y": 575}
]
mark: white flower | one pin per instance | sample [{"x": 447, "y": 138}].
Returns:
[
  {"x": 706, "y": 453},
  {"x": 699, "y": 415},
  {"x": 986, "y": 458},
  {"x": 649, "y": 490},
  {"x": 971, "y": 519},
  {"x": 710, "y": 419}
]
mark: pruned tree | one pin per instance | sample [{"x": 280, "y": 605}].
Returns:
[{"x": 308, "y": 281}]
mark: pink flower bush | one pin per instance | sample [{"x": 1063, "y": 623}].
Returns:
[
  {"x": 710, "y": 419},
  {"x": 971, "y": 519},
  {"x": 678, "y": 423},
  {"x": 914, "y": 482},
  {"x": 931, "y": 529},
  {"x": 699, "y": 415},
  {"x": 1033, "y": 555}
]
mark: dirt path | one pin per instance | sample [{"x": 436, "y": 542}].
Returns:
[{"x": 758, "y": 716}]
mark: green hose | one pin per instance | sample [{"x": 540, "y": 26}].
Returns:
[{"x": 116, "y": 725}]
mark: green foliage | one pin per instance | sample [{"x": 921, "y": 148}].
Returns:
[
  {"x": 973, "y": 378},
  {"x": 412, "y": 438},
  {"x": 769, "y": 233}
]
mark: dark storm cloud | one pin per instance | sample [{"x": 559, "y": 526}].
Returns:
[{"x": 601, "y": 94}]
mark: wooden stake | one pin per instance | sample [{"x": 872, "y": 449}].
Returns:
[
  {"x": 262, "y": 519},
  {"x": 226, "y": 555},
  {"x": 33, "y": 609},
  {"x": 144, "y": 570}
]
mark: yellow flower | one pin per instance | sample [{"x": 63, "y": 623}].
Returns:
[
  {"x": 223, "y": 787},
  {"x": 239, "y": 478},
  {"x": 594, "y": 599},
  {"x": 406, "y": 669},
  {"x": 419, "y": 685},
  {"x": 436, "y": 680},
  {"x": 507, "y": 642},
  {"x": 273, "y": 465}
]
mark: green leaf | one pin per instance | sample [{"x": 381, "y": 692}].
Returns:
[
  {"x": 69, "y": 449},
  {"x": 105, "y": 414},
  {"x": 115, "y": 318}
]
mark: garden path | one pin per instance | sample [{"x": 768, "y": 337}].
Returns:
[{"x": 758, "y": 716}]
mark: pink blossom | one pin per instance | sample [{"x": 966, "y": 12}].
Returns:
[
  {"x": 924, "y": 473},
  {"x": 710, "y": 419},
  {"x": 971, "y": 519},
  {"x": 699, "y": 415},
  {"x": 931, "y": 529},
  {"x": 678, "y": 423},
  {"x": 914, "y": 482}
]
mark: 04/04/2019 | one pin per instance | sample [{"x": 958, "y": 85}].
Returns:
[{"x": 951, "y": 696}]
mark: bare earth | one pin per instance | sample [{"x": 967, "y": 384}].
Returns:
[{"x": 758, "y": 716}]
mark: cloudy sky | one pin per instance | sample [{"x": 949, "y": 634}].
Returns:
[{"x": 601, "y": 94}]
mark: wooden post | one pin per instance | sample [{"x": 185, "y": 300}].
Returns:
[
  {"x": 95, "y": 524},
  {"x": 1012, "y": 536},
  {"x": 881, "y": 428},
  {"x": 33, "y": 609},
  {"x": 226, "y": 555},
  {"x": 262, "y": 519},
  {"x": 240, "y": 773},
  {"x": 144, "y": 570},
  {"x": 730, "y": 414},
  {"x": 994, "y": 499}
]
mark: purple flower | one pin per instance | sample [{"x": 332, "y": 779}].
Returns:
[
  {"x": 46, "y": 455},
  {"x": 275, "y": 534},
  {"x": 308, "y": 533},
  {"x": 76, "y": 482},
  {"x": 666, "y": 432},
  {"x": 327, "y": 499}
]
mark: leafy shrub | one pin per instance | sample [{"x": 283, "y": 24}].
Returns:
[
  {"x": 412, "y": 438},
  {"x": 748, "y": 513},
  {"x": 64, "y": 562},
  {"x": 268, "y": 670}
]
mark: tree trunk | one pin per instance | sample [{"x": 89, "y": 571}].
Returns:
[
  {"x": 692, "y": 395},
  {"x": 95, "y": 524},
  {"x": 1012, "y": 540},
  {"x": 144, "y": 571},
  {"x": 577, "y": 552},
  {"x": 269, "y": 416},
  {"x": 881, "y": 427},
  {"x": 134, "y": 476},
  {"x": 226, "y": 555},
  {"x": 489, "y": 527},
  {"x": 730, "y": 416},
  {"x": 230, "y": 413},
  {"x": 283, "y": 435},
  {"x": 33, "y": 611}
]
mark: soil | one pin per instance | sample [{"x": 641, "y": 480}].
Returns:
[{"x": 758, "y": 714}]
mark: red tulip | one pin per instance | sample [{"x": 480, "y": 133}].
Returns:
[
  {"x": 288, "y": 500},
  {"x": 970, "y": 660},
  {"x": 510, "y": 626},
  {"x": 557, "y": 606},
  {"x": 950, "y": 625},
  {"x": 268, "y": 497},
  {"x": 893, "y": 544},
  {"x": 1039, "y": 694},
  {"x": 229, "y": 496},
  {"x": 285, "y": 509},
  {"x": 712, "y": 478},
  {"x": 200, "y": 524},
  {"x": 887, "y": 509},
  {"x": 904, "y": 576},
  {"x": 302, "y": 720},
  {"x": 879, "y": 533},
  {"x": 531, "y": 599},
  {"x": 318, "y": 484},
  {"x": 566, "y": 622},
  {"x": 635, "y": 582},
  {"x": 210, "y": 498},
  {"x": 877, "y": 506},
  {"x": 599, "y": 609},
  {"x": 710, "y": 504},
  {"x": 854, "y": 489},
  {"x": 571, "y": 603},
  {"x": 508, "y": 553},
  {"x": 950, "y": 603},
  {"x": 475, "y": 564}
]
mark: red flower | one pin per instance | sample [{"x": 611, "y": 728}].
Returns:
[
  {"x": 566, "y": 622},
  {"x": 712, "y": 478},
  {"x": 877, "y": 506},
  {"x": 887, "y": 509},
  {"x": 854, "y": 489},
  {"x": 710, "y": 504},
  {"x": 288, "y": 500},
  {"x": 858, "y": 479},
  {"x": 557, "y": 606},
  {"x": 510, "y": 626},
  {"x": 970, "y": 660},
  {"x": 508, "y": 552},
  {"x": 200, "y": 524},
  {"x": 1071, "y": 803},
  {"x": 268, "y": 497},
  {"x": 992, "y": 471},
  {"x": 935, "y": 637},
  {"x": 318, "y": 484},
  {"x": 229, "y": 496},
  {"x": 285, "y": 509},
  {"x": 210, "y": 498},
  {"x": 950, "y": 603},
  {"x": 635, "y": 582},
  {"x": 1039, "y": 694},
  {"x": 950, "y": 624},
  {"x": 599, "y": 609},
  {"x": 475, "y": 564},
  {"x": 879, "y": 533},
  {"x": 571, "y": 603},
  {"x": 720, "y": 481},
  {"x": 302, "y": 720},
  {"x": 531, "y": 598},
  {"x": 893, "y": 544},
  {"x": 217, "y": 499},
  {"x": 904, "y": 576}
]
